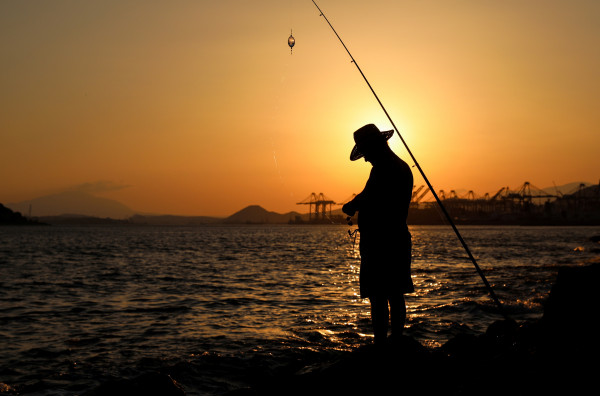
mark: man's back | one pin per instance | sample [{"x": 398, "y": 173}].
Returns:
[{"x": 387, "y": 195}]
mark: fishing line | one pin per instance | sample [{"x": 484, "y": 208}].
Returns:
[{"x": 439, "y": 202}]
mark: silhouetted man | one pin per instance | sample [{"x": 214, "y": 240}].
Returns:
[{"x": 385, "y": 242}]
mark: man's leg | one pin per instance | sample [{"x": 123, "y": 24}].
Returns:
[
  {"x": 380, "y": 316},
  {"x": 398, "y": 314}
]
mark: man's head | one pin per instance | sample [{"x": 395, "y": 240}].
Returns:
[{"x": 369, "y": 140}]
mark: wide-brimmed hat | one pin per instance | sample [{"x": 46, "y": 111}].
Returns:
[{"x": 368, "y": 136}]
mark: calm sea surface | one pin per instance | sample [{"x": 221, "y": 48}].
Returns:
[{"x": 219, "y": 307}]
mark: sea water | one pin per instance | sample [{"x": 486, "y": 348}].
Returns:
[{"x": 219, "y": 307}]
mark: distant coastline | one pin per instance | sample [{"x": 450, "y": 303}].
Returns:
[
  {"x": 256, "y": 215},
  {"x": 581, "y": 207}
]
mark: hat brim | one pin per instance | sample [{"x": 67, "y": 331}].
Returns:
[{"x": 356, "y": 154}]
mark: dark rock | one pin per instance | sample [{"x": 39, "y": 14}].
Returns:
[
  {"x": 502, "y": 333},
  {"x": 462, "y": 346},
  {"x": 546, "y": 357},
  {"x": 148, "y": 384},
  {"x": 574, "y": 298},
  {"x": 8, "y": 217}
]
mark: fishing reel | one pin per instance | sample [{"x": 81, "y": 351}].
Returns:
[{"x": 350, "y": 223}]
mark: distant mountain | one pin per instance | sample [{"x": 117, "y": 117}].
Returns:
[
  {"x": 73, "y": 203},
  {"x": 255, "y": 214}
]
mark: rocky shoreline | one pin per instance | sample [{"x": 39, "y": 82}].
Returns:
[{"x": 554, "y": 355}]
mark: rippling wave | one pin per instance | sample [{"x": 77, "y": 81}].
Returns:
[{"x": 218, "y": 306}]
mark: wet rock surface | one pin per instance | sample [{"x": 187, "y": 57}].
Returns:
[
  {"x": 146, "y": 384},
  {"x": 555, "y": 355},
  {"x": 551, "y": 356}
]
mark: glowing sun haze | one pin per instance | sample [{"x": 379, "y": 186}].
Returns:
[{"x": 198, "y": 108}]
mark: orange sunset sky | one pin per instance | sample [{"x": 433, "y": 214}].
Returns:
[{"x": 198, "y": 107}]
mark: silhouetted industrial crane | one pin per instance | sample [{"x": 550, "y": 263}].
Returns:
[
  {"x": 320, "y": 202},
  {"x": 417, "y": 198},
  {"x": 415, "y": 192},
  {"x": 498, "y": 194}
]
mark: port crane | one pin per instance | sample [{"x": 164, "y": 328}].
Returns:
[
  {"x": 416, "y": 197},
  {"x": 321, "y": 204}
]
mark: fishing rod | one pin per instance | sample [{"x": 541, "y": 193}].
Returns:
[{"x": 439, "y": 202}]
